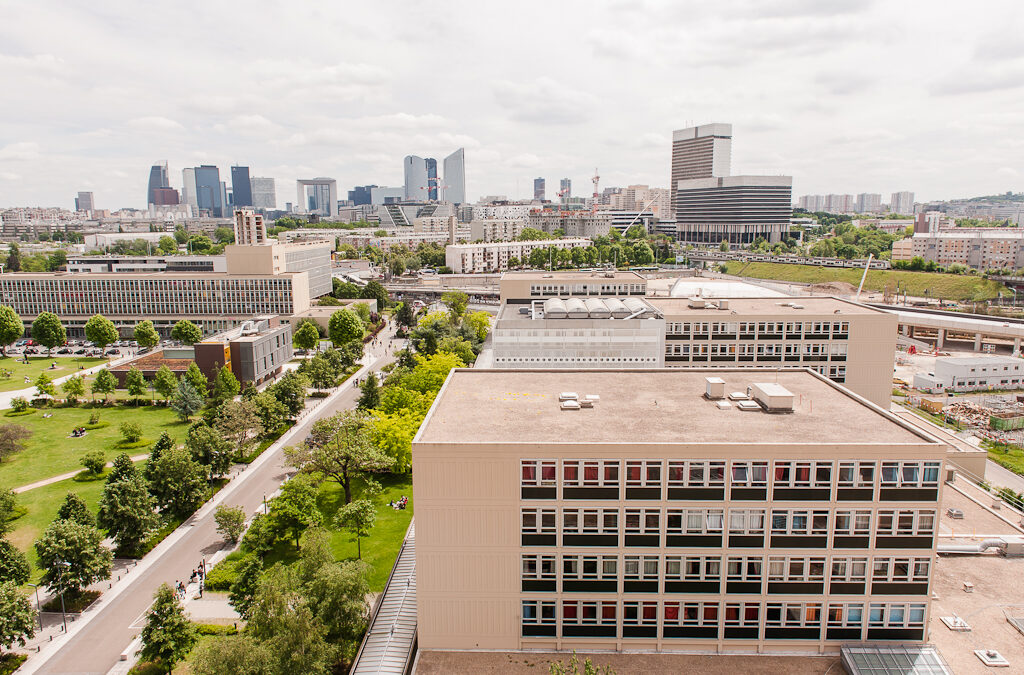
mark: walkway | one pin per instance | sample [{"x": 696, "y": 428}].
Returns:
[
  {"x": 29, "y": 392},
  {"x": 64, "y": 476}
]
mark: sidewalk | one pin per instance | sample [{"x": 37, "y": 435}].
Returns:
[
  {"x": 29, "y": 392},
  {"x": 64, "y": 476}
]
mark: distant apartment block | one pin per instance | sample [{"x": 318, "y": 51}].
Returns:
[
  {"x": 538, "y": 189},
  {"x": 494, "y": 256},
  {"x": 869, "y": 202},
  {"x": 839, "y": 203},
  {"x": 700, "y": 152},
  {"x": 84, "y": 202},
  {"x": 264, "y": 194},
  {"x": 495, "y": 230},
  {"x": 812, "y": 203},
  {"x": 249, "y": 228},
  {"x": 902, "y": 203},
  {"x": 655, "y": 201},
  {"x": 981, "y": 248},
  {"x": 581, "y": 223}
]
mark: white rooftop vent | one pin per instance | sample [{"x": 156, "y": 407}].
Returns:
[
  {"x": 570, "y": 405},
  {"x": 772, "y": 397},
  {"x": 738, "y": 396},
  {"x": 747, "y": 405},
  {"x": 723, "y": 304},
  {"x": 568, "y": 396},
  {"x": 723, "y": 405},
  {"x": 714, "y": 388},
  {"x": 796, "y": 306},
  {"x": 696, "y": 303},
  {"x": 992, "y": 658},
  {"x": 593, "y": 398}
]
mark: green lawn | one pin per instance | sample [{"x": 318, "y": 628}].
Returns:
[
  {"x": 50, "y": 451},
  {"x": 38, "y": 364},
  {"x": 1007, "y": 455},
  {"x": 920, "y": 284}
]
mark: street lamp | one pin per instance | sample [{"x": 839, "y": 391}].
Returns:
[
  {"x": 60, "y": 580},
  {"x": 39, "y": 608}
]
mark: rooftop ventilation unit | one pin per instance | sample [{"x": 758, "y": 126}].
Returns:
[
  {"x": 714, "y": 388},
  {"x": 696, "y": 303},
  {"x": 773, "y": 397},
  {"x": 723, "y": 304},
  {"x": 597, "y": 308},
  {"x": 570, "y": 405},
  {"x": 796, "y": 306},
  {"x": 747, "y": 405},
  {"x": 593, "y": 398},
  {"x": 575, "y": 309},
  {"x": 723, "y": 405},
  {"x": 738, "y": 396},
  {"x": 568, "y": 396},
  {"x": 617, "y": 308},
  {"x": 554, "y": 308}
]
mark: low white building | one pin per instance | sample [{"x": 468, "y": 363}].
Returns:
[
  {"x": 494, "y": 256},
  {"x": 972, "y": 373}
]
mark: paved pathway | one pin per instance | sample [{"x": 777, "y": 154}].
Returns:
[
  {"x": 64, "y": 476},
  {"x": 29, "y": 392}
]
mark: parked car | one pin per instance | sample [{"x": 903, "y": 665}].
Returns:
[
  {"x": 64, "y": 350},
  {"x": 112, "y": 352},
  {"x": 80, "y": 351},
  {"x": 31, "y": 350}
]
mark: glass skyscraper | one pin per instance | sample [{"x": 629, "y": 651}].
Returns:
[{"x": 241, "y": 186}]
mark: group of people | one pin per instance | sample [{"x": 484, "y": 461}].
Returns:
[
  {"x": 400, "y": 504},
  {"x": 78, "y": 432},
  {"x": 198, "y": 575}
]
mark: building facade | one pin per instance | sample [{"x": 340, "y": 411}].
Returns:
[
  {"x": 317, "y": 195},
  {"x": 648, "y": 518},
  {"x": 209, "y": 192},
  {"x": 734, "y": 209},
  {"x": 538, "y": 189},
  {"x": 455, "y": 177},
  {"x": 264, "y": 194},
  {"x": 249, "y": 228},
  {"x": 495, "y": 230},
  {"x": 982, "y": 248},
  {"x": 902, "y": 203},
  {"x": 495, "y": 256},
  {"x": 972, "y": 373},
  {"x": 84, "y": 202},
  {"x": 157, "y": 179},
  {"x": 241, "y": 186},
  {"x": 582, "y": 223},
  {"x": 700, "y": 152}
]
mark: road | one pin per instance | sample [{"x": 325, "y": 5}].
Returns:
[{"x": 97, "y": 646}]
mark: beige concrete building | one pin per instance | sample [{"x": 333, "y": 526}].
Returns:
[
  {"x": 524, "y": 287},
  {"x": 494, "y": 256},
  {"x": 652, "y": 519},
  {"x": 981, "y": 248}
]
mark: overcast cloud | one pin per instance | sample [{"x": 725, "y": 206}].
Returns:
[{"x": 847, "y": 96}]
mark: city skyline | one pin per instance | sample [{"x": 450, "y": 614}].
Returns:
[{"x": 943, "y": 124}]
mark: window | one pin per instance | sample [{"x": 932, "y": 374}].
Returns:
[
  {"x": 896, "y": 615},
  {"x": 799, "y": 522},
  {"x": 691, "y": 614},
  {"x": 538, "y": 472},
  {"x": 742, "y": 614},
  {"x": 590, "y": 521},
  {"x": 694, "y": 521},
  {"x": 849, "y": 570},
  {"x": 538, "y": 612},
  {"x": 588, "y": 612},
  {"x": 796, "y": 568},
  {"x": 856, "y": 474},
  {"x": 538, "y": 521},
  {"x": 643, "y": 521},
  {"x": 792, "y": 615},
  {"x": 696, "y": 474},
  {"x": 910, "y": 474},
  {"x": 640, "y": 568},
  {"x": 905, "y": 522},
  {"x": 590, "y": 567},
  {"x": 590, "y": 473},
  {"x": 803, "y": 474},
  {"x": 744, "y": 569},
  {"x": 538, "y": 567},
  {"x": 900, "y": 570},
  {"x": 640, "y": 613},
  {"x": 746, "y": 521},
  {"x": 846, "y": 615},
  {"x": 643, "y": 474},
  {"x": 749, "y": 474},
  {"x": 693, "y": 568},
  {"x": 853, "y": 523}
]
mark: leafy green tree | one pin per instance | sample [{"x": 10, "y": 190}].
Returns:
[
  {"x": 405, "y": 316},
  {"x": 19, "y": 404},
  {"x": 122, "y": 468},
  {"x": 48, "y": 331},
  {"x": 195, "y": 377},
  {"x": 17, "y": 618},
  {"x": 246, "y": 584},
  {"x": 358, "y": 518},
  {"x": 101, "y": 331},
  {"x": 369, "y": 398},
  {"x": 225, "y": 385},
  {"x": 269, "y": 410},
  {"x": 126, "y": 513},
  {"x": 81, "y": 547},
  {"x": 307, "y": 336},
  {"x": 375, "y": 291},
  {"x": 238, "y": 425},
  {"x": 12, "y": 439},
  {"x": 168, "y": 246},
  {"x": 290, "y": 391},
  {"x": 320, "y": 373},
  {"x": 458, "y": 347},
  {"x": 8, "y": 510},
  {"x": 224, "y": 235},
  {"x": 14, "y": 259},
  {"x": 168, "y": 635},
  {"x": 178, "y": 483},
  {"x": 392, "y": 434},
  {"x": 480, "y": 323},
  {"x": 165, "y": 382},
  {"x": 44, "y": 386},
  {"x": 180, "y": 235},
  {"x": 532, "y": 234},
  {"x": 105, "y": 383},
  {"x": 145, "y": 333},
  {"x": 208, "y": 447},
  {"x": 135, "y": 383},
  {"x": 281, "y": 618},
  {"x": 94, "y": 462},
  {"x": 131, "y": 432},
  {"x": 14, "y": 565},
  {"x": 295, "y": 508},
  {"x": 260, "y": 537},
  {"x": 74, "y": 508},
  {"x": 456, "y": 302},
  {"x": 73, "y": 388},
  {"x": 231, "y": 655},
  {"x": 11, "y": 327},
  {"x": 344, "y": 326},
  {"x": 186, "y": 332},
  {"x": 162, "y": 445},
  {"x": 230, "y": 522},
  {"x": 328, "y": 301},
  {"x": 186, "y": 401},
  {"x": 337, "y": 595}
]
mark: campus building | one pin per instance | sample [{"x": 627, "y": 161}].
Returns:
[
  {"x": 972, "y": 373},
  {"x": 494, "y": 256},
  {"x": 654, "y": 511}
]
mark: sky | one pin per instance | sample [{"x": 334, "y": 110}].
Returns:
[{"x": 846, "y": 96}]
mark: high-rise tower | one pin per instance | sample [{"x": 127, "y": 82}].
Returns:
[
  {"x": 700, "y": 152},
  {"x": 157, "y": 179},
  {"x": 241, "y": 187},
  {"x": 455, "y": 177}
]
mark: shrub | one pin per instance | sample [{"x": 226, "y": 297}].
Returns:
[
  {"x": 94, "y": 462},
  {"x": 214, "y": 629},
  {"x": 131, "y": 432},
  {"x": 94, "y": 418},
  {"x": 223, "y": 573},
  {"x": 19, "y": 404}
]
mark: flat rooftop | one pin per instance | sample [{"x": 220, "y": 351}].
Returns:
[
  {"x": 574, "y": 276},
  {"x": 805, "y": 306},
  {"x": 650, "y": 406}
]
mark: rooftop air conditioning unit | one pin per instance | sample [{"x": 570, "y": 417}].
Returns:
[
  {"x": 696, "y": 303},
  {"x": 570, "y": 405},
  {"x": 723, "y": 304},
  {"x": 747, "y": 405},
  {"x": 714, "y": 388},
  {"x": 1014, "y": 546},
  {"x": 772, "y": 397},
  {"x": 568, "y": 396}
]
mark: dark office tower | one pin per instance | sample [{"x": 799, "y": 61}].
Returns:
[
  {"x": 209, "y": 195},
  {"x": 84, "y": 202},
  {"x": 241, "y": 187},
  {"x": 360, "y": 195},
  {"x": 431, "y": 178},
  {"x": 538, "y": 189},
  {"x": 157, "y": 179},
  {"x": 165, "y": 197}
]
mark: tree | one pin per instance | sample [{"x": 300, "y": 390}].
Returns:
[
  {"x": 8, "y": 510},
  {"x": 259, "y": 538},
  {"x": 290, "y": 391},
  {"x": 337, "y": 595},
  {"x": 126, "y": 513},
  {"x": 81, "y": 548},
  {"x": 405, "y": 316},
  {"x": 48, "y": 331},
  {"x": 14, "y": 259},
  {"x": 344, "y": 326},
  {"x": 307, "y": 336},
  {"x": 105, "y": 383},
  {"x": 269, "y": 410},
  {"x": 457, "y": 346},
  {"x": 44, "y": 386},
  {"x": 456, "y": 302},
  {"x": 370, "y": 396},
  {"x": 345, "y": 289},
  {"x": 145, "y": 334},
  {"x": 165, "y": 382},
  {"x": 339, "y": 448},
  {"x": 168, "y": 634},
  {"x": 73, "y": 388},
  {"x": 168, "y": 246},
  {"x": 375, "y": 291},
  {"x": 178, "y": 483},
  {"x": 532, "y": 234},
  {"x": 186, "y": 332},
  {"x": 397, "y": 266},
  {"x": 230, "y": 522},
  {"x": 232, "y": 655},
  {"x": 17, "y": 618},
  {"x": 224, "y": 235},
  {"x": 282, "y": 619},
  {"x": 358, "y": 518},
  {"x": 135, "y": 383},
  {"x": 74, "y": 508},
  {"x": 328, "y": 301},
  {"x": 131, "y": 432},
  {"x": 480, "y": 323},
  {"x": 238, "y": 423},
  {"x": 12, "y": 439},
  {"x": 14, "y": 565},
  {"x": 187, "y": 401},
  {"x": 206, "y": 446},
  {"x": 163, "y": 444},
  {"x": 11, "y": 327},
  {"x": 195, "y": 377},
  {"x": 122, "y": 468},
  {"x": 94, "y": 462},
  {"x": 180, "y": 235},
  {"x": 320, "y": 373},
  {"x": 19, "y": 404},
  {"x": 295, "y": 508},
  {"x": 101, "y": 331},
  {"x": 225, "y": 385}
]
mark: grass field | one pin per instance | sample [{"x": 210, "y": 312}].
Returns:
[
  {"x": 38, "y": 364},
  {"x": 50, "y": 451},
  {"x": 920, "y": 284},
  {"x": 1007, "y": 455}
]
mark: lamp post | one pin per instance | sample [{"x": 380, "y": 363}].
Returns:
[
  {"x": 39, "y": 608},
  {"x": 60, "y": 580}
]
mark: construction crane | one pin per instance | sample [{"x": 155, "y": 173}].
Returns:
[{"x": 596, "y": 179}]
